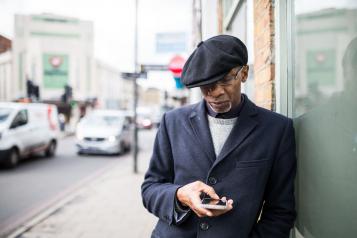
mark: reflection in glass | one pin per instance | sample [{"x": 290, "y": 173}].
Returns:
[{"x": 325, "y": 111}]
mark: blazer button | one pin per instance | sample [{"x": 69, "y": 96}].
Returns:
[
  {"x": 212, "y": 180},
  {"x": 204, "y": 226}
]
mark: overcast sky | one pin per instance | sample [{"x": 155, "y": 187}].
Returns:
[
  {"x": 113, "y": 21},
  {"x": 113, "y": 26}
]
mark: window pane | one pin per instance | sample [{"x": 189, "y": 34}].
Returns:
[{"x": 325, "y": 112}]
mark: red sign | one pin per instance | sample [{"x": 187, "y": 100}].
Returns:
[
  {"x": 176, "y": 65},
  {"x": 55, "y": 61}
]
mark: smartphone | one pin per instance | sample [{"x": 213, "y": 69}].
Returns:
[{"x": 214, "y": 204}]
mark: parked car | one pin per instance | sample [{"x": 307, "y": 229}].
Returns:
[
  {"x": 25, "y": 129},
  {"x": 143, "y": 122},
  {"x": 104, "y": 132},
  {"x": 144, "y": 117}
]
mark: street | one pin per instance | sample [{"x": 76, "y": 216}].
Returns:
[{"x": 38, "y": 183}]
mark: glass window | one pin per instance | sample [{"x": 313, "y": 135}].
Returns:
[
  {"x": 325, "y": 115},
  {"x": 4, "y": 114},
  {"x": 20, "y": 119}
]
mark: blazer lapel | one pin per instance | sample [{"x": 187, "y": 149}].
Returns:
[
  {"x": 199, "y": 124},
  {"x": 243, "y": 127}
]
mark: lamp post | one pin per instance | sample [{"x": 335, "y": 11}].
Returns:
[{"x": 135, "y": 101}]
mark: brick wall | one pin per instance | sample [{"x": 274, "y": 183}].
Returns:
[
  {"x": 264, "y": 53},
  {"x": 5, "y": 44}
]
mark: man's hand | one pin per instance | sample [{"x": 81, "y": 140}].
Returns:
[{"x": 189, "y": 195}]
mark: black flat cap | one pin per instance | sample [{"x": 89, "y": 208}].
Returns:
[{"x": 213, "y": 59}]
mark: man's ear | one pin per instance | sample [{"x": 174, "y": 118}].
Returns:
[{"x": 244, "y": 73}]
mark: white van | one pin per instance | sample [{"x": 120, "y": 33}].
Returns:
[{"x": 27, "y": 128}]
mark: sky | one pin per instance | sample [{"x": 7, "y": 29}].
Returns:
[
  {"x": 113, "y": 23},
  {"x": 112, "y": 20}
]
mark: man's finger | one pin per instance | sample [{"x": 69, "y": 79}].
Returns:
[
  {"x": 196, "y": 202},
  {"x": 210, "y": 191}
]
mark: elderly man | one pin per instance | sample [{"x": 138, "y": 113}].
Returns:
[{"x": 224, "y": 147}]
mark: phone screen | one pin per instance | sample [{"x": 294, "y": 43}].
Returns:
[{"x": 211, "y": 201}]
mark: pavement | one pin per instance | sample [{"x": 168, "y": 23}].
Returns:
[{"x": 108, "y": 206}]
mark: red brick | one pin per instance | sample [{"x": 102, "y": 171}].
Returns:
[
  {"x": 264, "y": 68},
  {"x": 263, "y": 58},
  {"x": 264, "y": 75},
  {"x": 263, "y": 92}
]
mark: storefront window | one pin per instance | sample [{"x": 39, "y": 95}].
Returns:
[{"x": 325, "y": 116}]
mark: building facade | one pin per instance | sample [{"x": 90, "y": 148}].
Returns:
[
  {"x": 6, "y": 90},
  {"x": 111, "y": 90},
  {"x": 304, "y": 66},
  {"x": 53, "y": 51}
]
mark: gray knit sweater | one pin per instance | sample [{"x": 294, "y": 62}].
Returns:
[{"x": 220, "y": 130}]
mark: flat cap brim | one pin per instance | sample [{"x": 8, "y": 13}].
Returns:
[{"x": 212, "y": 60}]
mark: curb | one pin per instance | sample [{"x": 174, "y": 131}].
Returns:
[{"x": 60, "y": 202}]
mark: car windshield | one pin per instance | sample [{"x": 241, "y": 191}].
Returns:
[
  {"x": 103, "y": 120},
  {"x": 4, "y": 114}
]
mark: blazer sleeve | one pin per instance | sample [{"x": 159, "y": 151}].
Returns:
[
  {"x": 158, "y": 191},
  {"x": 278, "y": 213}
]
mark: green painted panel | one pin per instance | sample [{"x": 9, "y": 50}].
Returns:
[
  {"x": 54, "y": 34},
  {"x": 55, "y": 70},
  {"x": 54, "y": 20}
]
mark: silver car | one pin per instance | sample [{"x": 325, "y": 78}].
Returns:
[{"x": 104, "y": 132}]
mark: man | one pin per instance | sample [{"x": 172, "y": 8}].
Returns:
[{"x": 224, "y": 147}]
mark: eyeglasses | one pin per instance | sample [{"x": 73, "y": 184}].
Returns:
[{"x": 225, "y": 82}]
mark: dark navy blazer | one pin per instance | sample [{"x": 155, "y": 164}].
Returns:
[{"x": 256, "y": 168}]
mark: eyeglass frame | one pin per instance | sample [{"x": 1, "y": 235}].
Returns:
[{"x": 225, "y": 82}]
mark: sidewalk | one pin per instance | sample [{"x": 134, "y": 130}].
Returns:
[{"x": 110, "y": 206}]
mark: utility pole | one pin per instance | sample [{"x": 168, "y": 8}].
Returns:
[
  {"x": 195, "y": 93},
  {"x": 197, "y": 22},
  {"x": 135, "y": 87}
]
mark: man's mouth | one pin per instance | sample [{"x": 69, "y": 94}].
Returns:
[{"x": 218, "y": 103}]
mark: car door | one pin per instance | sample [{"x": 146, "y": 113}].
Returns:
[{"x": 20, "y": 131}]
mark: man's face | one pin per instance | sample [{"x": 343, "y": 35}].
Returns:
[{"x": 225, "y": 93}]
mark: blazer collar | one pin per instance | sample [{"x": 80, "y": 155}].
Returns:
[
  {"x": 199, "y": 124},
  {"x": 245, "y": 124}
]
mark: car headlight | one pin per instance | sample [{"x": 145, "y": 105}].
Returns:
[{"x": 112, "y": 138}]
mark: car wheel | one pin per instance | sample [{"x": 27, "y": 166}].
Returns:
[
  {"x": 51, "y": 149},
  {"x": 13, "y": 159},
  {"x": 122, "y": 148},
  {"x": 128, "y": 147}
]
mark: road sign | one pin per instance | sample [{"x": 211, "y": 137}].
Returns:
[
  {"x": 154, "y": 67},
  {"x": 127, "y": 75}
]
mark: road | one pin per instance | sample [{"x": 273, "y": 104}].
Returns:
[{"x": 40, "y": 182}]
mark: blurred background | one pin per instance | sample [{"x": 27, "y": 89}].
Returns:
[{"x": 84, "y": 84}]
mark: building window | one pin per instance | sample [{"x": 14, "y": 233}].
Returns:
[{"x": 324, "y": 108}]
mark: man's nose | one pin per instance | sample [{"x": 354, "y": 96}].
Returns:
[{"x": 215, "y": 91}]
